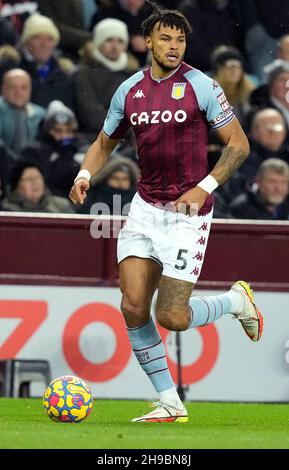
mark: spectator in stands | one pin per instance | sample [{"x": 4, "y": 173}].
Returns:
[
  {"x": 214, "y": 22},
  {"x": 117, "y": 180},
  {"x": 68, "y": 16},
  {"x": 228, "y": 70},
  {"x": 50, "y": 81},
  {"x": 58, "y": 152},
  {"x": 9, "y": 59},
  {"x": 268, "y": 135},
  {"x": 106, "y": 64},
  {"x": 132, "y": 13},
  {"x": 268, "y": 198},
  {"x": 267, "y": 140},
  {"x": 19, "y": 118},
  {"x": 275, "y": 94},
  {"x": 28, "y": 193}
]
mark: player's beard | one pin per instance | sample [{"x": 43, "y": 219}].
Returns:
[{"x": 164, "y": 67}]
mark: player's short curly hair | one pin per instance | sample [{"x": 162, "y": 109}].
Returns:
[{"x": 171, "y": 18}]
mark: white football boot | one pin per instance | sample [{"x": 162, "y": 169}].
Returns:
[
  {"x": 251, "y": 318},
  {"x": 163, "y": 413}
]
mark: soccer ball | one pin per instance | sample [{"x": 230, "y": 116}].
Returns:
[{"x": 67, "y": 399}]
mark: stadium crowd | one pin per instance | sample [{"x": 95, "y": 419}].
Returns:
[{"x": 62, "y": 60}]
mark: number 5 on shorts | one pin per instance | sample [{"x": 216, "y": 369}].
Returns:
[{"x": 183, "y": 260}]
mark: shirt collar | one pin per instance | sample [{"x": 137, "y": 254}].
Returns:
[{"x": 165, "y": 78}]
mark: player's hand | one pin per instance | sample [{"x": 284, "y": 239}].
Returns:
[
  {"x": 78, "y": 191},
  {"x": 191, "y": 202}
]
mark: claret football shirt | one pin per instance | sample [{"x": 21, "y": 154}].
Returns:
[{"x": 171, "y": 118}]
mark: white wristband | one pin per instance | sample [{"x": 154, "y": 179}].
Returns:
[
  {"x": 83, "y": 174},
  {"x": 208, "y": 184}
]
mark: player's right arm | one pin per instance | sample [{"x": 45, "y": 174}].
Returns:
[{"x": 95, "y": 159}]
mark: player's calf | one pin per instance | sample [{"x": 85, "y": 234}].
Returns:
[
  {"x": 173, "y": 320},
  {"x": 173, "y": 303}
]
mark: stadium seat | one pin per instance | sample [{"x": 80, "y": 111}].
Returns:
[{"x": 16, "y": 376}]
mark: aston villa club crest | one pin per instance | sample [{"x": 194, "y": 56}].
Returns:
[{"x": 178, "y": 91}]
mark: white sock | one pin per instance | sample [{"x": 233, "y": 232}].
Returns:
[
  {"x": 237, "y": 300},
  {"x": 171, "y": 397}
]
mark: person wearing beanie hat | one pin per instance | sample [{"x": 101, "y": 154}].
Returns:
[
  {"x": 59, "y": 150},
  {"x": 118, "y": 178},
  {"x": 27, "y": 192},
  {"x": 132, "y": 13},
  {"x": 38, "y": 24},
  {"x": 16, "y": 173},
  {"x": 110, "y": 40},
  {"x": 70, "y": 17},
  {"x": 106, "y": 64},
  {"x": 39, "y": 40},
  {"x": 107, "y": 28},
  {"x": 58, "y": 113}
]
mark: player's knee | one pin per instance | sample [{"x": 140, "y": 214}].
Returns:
[
  {"x": 173, "y": 321},
  {"x": 132, "y": 310}
]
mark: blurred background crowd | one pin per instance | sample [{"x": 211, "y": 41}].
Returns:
[{"x": 62, "y": 60}]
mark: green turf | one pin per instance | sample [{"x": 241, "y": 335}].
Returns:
[{"x": 23, "y": 424}]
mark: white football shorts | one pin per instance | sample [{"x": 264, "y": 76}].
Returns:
[{"x": 174, "y": 240}]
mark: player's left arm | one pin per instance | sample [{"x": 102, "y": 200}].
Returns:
[
  {"x": 235, "y": 152},
  {"x": 213, "y": 102}
]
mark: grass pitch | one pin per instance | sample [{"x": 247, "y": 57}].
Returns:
[{"x": 23, "y": 425}]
